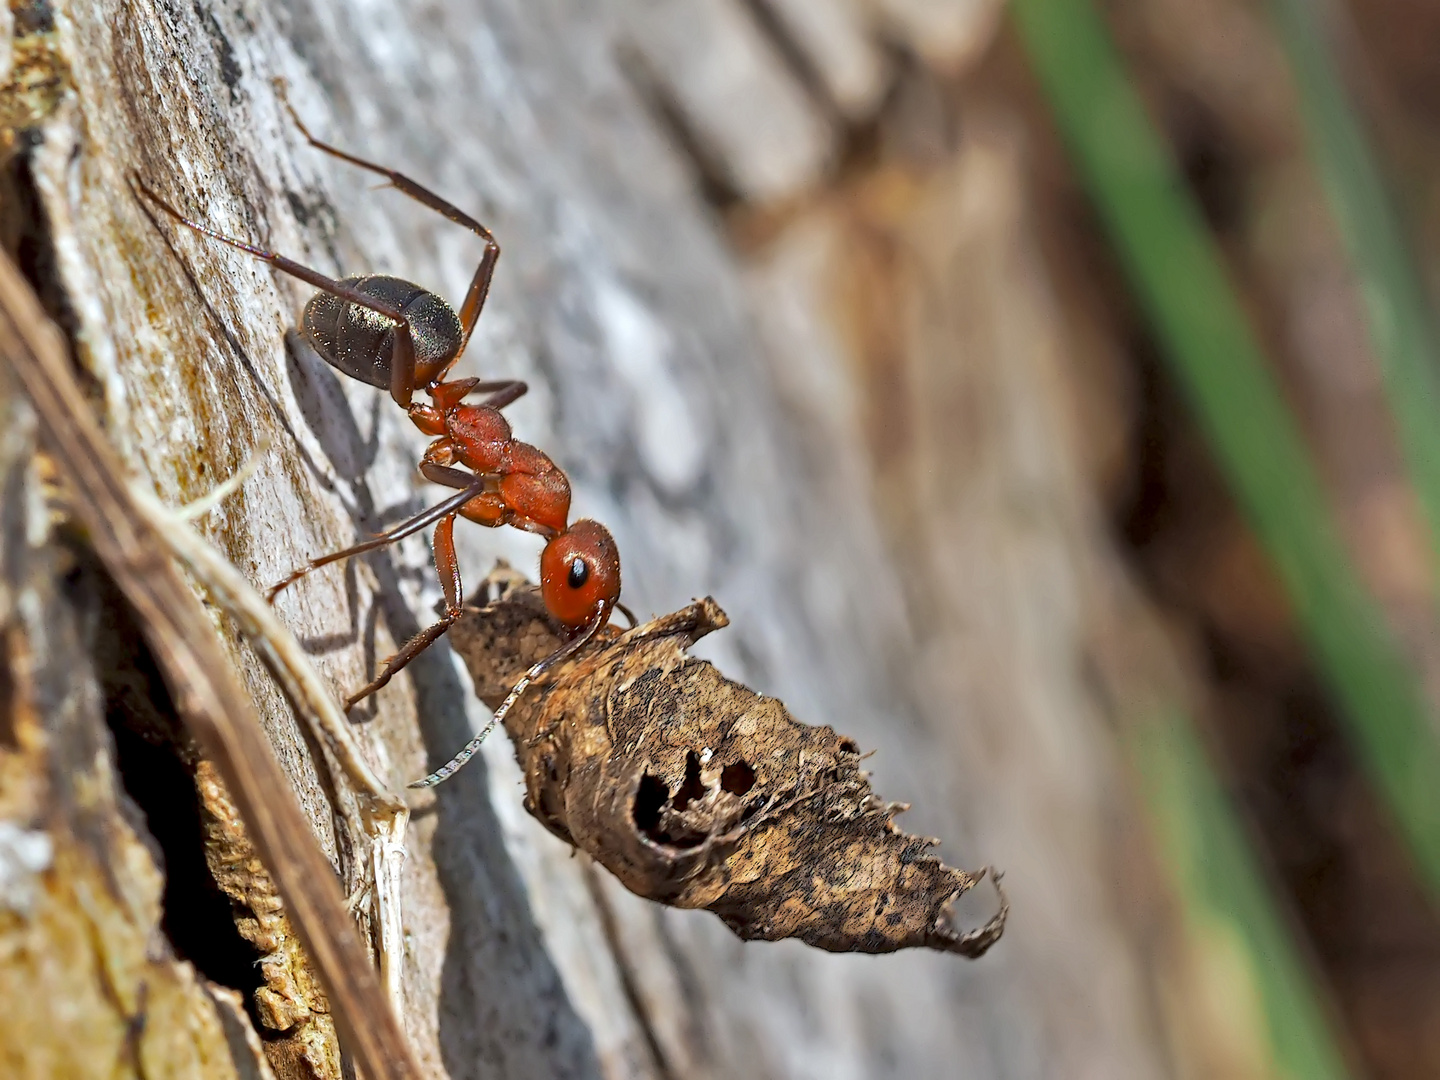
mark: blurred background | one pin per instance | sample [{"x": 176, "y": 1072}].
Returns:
[{"x": 1120, "y": 317}]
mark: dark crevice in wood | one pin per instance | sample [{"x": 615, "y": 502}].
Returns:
[
  {"x": 25, "y": 228},
  {"x": 197, "y": 918},
  {"x": 155, "y": 762}
]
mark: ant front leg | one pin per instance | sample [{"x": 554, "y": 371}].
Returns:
[
  {"x": 470, "y": 749},
  {"x": 448, "y": 567},
  {"x": 486, "y": 508},
  {"x": 402, "y": 357}
]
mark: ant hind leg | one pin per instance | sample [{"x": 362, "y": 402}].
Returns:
[
  {"x": 402, "y": 359},
  {"x": 480, "y": 283}
]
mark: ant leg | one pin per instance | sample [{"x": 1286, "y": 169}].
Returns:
[
  {"x": 502, "y": 392},
  {"x": 453, "y": 478},
  {"x": 488, "y": 508},
  {"x": 450, "y": 507},
  {"x": 480, "y": 283},
  {"x": 448, "y": 567},
  {"x": 447, "y": 395},
  {"x": 402, "y": 358}
]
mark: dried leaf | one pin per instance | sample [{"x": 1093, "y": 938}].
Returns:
[{"x": 697, "y": 792}]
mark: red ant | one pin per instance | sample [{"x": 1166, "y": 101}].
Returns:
[{"x": 397, "y": 336}]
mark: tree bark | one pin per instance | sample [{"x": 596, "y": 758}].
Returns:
[{"x": 721, "y": 469}]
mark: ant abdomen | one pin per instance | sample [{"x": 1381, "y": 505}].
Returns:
[{"x": 359, "y": 342}]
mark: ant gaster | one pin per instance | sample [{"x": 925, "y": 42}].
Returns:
[{"x": 397, "y": 336}]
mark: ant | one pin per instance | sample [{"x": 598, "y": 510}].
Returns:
[{"x": 398, "y": 336}]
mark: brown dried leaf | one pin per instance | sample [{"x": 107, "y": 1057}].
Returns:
[{"x": 697, "y": 792}]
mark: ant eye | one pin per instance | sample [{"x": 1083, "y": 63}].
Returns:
[{"x": 579, "y": 573}]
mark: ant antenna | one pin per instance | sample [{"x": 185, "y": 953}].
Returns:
[{"x": 569, "y": 649}]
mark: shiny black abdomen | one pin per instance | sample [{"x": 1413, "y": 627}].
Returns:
[{"x": 358, "y": 341}]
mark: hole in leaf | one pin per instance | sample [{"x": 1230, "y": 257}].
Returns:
[
  {"x": 650, "y": 798},
  {"x": 737, "y": 778}
]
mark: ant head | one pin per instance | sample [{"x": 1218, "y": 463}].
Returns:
[{"x": 579, "y": 570}]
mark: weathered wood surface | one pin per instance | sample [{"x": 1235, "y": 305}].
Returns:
[
  {"x": 85, "y": 989},
  {"x": 948, "y": 623}
]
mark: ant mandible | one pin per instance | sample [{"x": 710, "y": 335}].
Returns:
[{"x": 395, "y": 335}]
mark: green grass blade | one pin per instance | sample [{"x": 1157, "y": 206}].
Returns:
[
  {"x": 1225, "y": 903},
  {"x": 1402, "y": 327},
  {"x": 1175, "y": 269}
]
